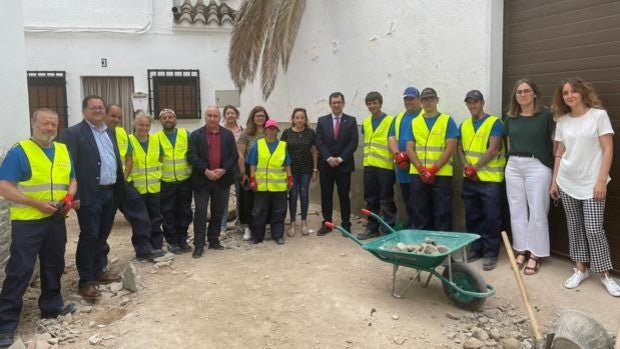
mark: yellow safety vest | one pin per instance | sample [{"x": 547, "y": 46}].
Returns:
[
  {"x": 430, "y": 144},
  {"x": 175, "y": 166},
  {"x": 475, "y": 144},
  {"x": 122, "y": 141},
  {"x": 399, "y": 119},
  {"x": 376, "y": 149},
  {"x": 49, "y": 180},
  {"x": 270, "y": 174},
  {"x": 146, "y": 170}
]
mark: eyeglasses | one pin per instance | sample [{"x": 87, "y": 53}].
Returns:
[
  {"x": 260, "y": 115},
  {"x": 95, "y": 108},
  {"x": 527, "y": 91}
]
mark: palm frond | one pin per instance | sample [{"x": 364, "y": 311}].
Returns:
[
  {"x": 273, "y": 47},
  {"x": 291, "y": 34}
]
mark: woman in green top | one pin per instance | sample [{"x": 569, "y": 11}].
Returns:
[{"x": 529, "y": 128}]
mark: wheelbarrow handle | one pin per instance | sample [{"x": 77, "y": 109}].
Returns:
[
  {"x": 369, "y": 213},
  {"x": 331, "y": 225}
]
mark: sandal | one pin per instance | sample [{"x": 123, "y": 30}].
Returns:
[
  {"x": 532, "y": 270},
  {"x": 520, "y": 263}
]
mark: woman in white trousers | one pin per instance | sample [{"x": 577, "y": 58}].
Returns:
[{"x": 529, "y": 129}]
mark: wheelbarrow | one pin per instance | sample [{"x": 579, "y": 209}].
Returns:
[{"x": 463, "y": 285}]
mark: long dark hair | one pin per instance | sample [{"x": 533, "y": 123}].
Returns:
[
  {"x": 250, "y": 126},
  {"x": 588, "y": 95},
  {"x": 303, "y": 110}
]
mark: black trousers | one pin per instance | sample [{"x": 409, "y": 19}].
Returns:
[
  {"x": 483, "y": 206},
  {"x": 343, "y": 182},
  {"x": 151, "y": 201},
  {"x": 405, "y": 190},
  {"x": 176, "y": 210},
  {"x": 379, "y": 196},
  {"x": 269, "y": 207},
  {"x": 135, "y": 212},
  {"x": 432, "y": 203},
  {"x": 47, "y": 239},
  {"x": 202, "y": 196},
  {"x": 95, "y": 222}
]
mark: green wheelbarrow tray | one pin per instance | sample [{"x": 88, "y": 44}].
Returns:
[{"x": 462, "y": 284}]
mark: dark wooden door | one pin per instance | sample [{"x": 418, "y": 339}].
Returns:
[{"x": 48, "y": 89}]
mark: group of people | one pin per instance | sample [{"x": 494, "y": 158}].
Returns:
[{"x": 95, "y": 167}]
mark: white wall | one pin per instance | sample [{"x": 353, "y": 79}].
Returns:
[
  {"x": 14, "y": 93},
  {"x": 348, "y": 46}
]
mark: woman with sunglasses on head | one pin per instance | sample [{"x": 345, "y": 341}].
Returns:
[
  {"x": 230, "y": 117},
  {"x": 300, "y": 142},
  {"x": 583, "y": 157},
  {"x": 529, "y": 129},
  {"x": 254, "y": 130}
]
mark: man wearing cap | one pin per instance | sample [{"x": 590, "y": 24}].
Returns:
[
  {"x": 270, "y": 178},
  {"x": 37, "y": 177},
  {"x": 176, "y": 190},
  {"x": 212, "y": 154},
  {"x": 398, "y": 146},
  {"x": 482, "y": 155},
  {"x": 378, "y": 167},
  {"x": 431, "y": 143}
]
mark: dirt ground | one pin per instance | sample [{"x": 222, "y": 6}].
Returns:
[{"x": 312, "y": 292}]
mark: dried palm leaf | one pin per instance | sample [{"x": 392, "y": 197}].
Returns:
[{"x": 289, "y": 39}]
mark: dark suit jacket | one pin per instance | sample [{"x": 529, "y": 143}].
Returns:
[
  {"x": 87, "y": 161},
  {"x": 344, "y": 146},
  {"x": 198, "y": 157}
]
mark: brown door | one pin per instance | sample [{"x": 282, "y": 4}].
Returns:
[
  {"x": 48, "y": 89},
  {"x": 551, "y": 40}
]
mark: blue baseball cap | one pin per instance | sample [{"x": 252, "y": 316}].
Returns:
[
  {"x": 475, "y": 95},
  {"x": 411, "y": 92}
]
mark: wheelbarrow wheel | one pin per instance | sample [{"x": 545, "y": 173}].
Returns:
[{"x": 467, "y": 279}]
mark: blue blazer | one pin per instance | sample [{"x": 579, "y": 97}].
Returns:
[
  {"x": 87, "y": 161},
  {"x": 344, "y": 146}
]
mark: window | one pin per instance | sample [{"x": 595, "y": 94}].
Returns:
[
  {"x": 48, "y": 89},
  {"x": 178, "y": 90}
]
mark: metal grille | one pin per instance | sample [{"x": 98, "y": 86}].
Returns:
[
  {"x": 177, "y": 89},
  {"x": 48, "y": 89}
]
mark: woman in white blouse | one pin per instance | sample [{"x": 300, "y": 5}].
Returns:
[{"x": 583, "y": 158}]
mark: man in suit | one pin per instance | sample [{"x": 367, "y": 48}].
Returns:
[
  {"x": 212, "y": 154},
  {"x": 336, "y": 140},
  {"x": 99, "y": 172}
]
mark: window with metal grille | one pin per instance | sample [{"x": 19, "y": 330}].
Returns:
[
  {"x": 176, "y": 89},
  {"x": 48, "y": 89}
]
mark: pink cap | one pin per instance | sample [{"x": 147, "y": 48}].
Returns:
[{"x": 272, "y": 123}]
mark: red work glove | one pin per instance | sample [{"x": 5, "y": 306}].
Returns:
[
  {"x": 253, "y": 184},
  {"x": 291, "y": 181},
  {"x": 428, "y": 174},
  {"x": 66, "y": 204},
  {"x": 402, "y": 160},
  {"x": 470, "y": 173}
]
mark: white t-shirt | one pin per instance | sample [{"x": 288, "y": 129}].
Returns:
[{"x": 581, "y": 163}]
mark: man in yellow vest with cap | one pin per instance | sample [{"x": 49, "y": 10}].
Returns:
[
  {"x": 378, "y": 166},
  {"x": 481, "y": 153},
  {"x": 430, "y": 147},
  {"x": 146, "y": 155},
  {"x": 131, "y": 205},
  {"x": 176, "y": 189},
  {"x": 37, "y": 177}
]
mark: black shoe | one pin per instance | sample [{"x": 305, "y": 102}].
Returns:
[
  {"x": 216, "y": 246},
  {"x": 367, "y": 234},
  {"x": 280, "y": 241},
  {"x": 198, "y": 251},
  {"x": 152, "y": 254},
  {"x": 473, "y": 256},
  {"x": 174, "y": 249},
  {"x": 489, "y": 263},
  {"x": 323, "y": 230},
  {"x": 185, "y": 247},
  {"x": 6, "y": 338},
  {"x": 67, "y": 309}
]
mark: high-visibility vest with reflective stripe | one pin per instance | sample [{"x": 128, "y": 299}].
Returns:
[
  {"x": 122, "y": 140},
  {"x": 376, "y": 149},
  {"x": 430, "y": 144},
  {"x": 49, "y": 180},
  {"x": 146, "y": 170},
  {"x": 175, "y": 167},
  {"x": 270, "y": 174},
  {"x": 399, "y": 119},
  {"x": 475, "y": 145}
]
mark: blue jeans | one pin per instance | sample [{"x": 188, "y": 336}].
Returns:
[{"x": 300, "y": 188}]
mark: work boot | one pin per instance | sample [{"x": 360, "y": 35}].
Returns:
[
  {"x": 174, "y": 249},
  {"x": 107, "y": 278},
  {"x": 89, "y": 292},
  {"x": 184, "y": 246},
  {"x": 152, "y": 254},
  {"x": 67, "y": 309}
]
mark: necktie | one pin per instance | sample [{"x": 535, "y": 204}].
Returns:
[{"x": 337, "y": 127}]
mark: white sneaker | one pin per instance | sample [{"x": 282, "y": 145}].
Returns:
[
  {"x": 247, "y": 235},
  {"x": 611, "y": 286},
  {"x": 576, "y": 278}
]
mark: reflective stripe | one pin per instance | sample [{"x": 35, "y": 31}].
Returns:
[
  {"x": 145, "y": 181},
  {"x": 179, "y": 172},
  {"x": 474, "y": 153},
  {"x": 373, "y": 155},
  {"x": 42, "y": 187},
  {"x": 430, "y": 144},
  {"x": 475, "y": 145},
  {"x": 432, "y": 148},
  {"x": 377, "y": 145},
  {"x": 270, "y": 170}
]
